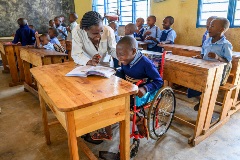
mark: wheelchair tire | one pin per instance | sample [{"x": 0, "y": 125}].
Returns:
[{"x": 161, "y": 113}]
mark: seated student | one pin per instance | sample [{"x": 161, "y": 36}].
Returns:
[
  {"x": 216, "y": 48},
  {"x": 51, "y": 23},
  {"x": 167, "y": 35},
  {"x": 114, "y": 26},
  {"x": 133, "y": 68},
  {"x": 62, "y": 30},
  {"x": 62, "y": 18},
  {"x": 72, "y": 19},
  {"x": 152, "y": 34},
  {"x": 130, "y": 29},
  {"x": 140, "y": 29},
  {"x": 53, "y": 33},
  {"x": 209, "y": 20},
  {"x": 43, "y": 41},
  {"x": 24, "y": 35}
]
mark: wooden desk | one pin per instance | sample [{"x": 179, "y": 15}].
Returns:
[
  {"x": 37, "y": 57},
  {"x": 142, "y": 44},
  {"x": 83, "y": 105},
  {"x": 12, "y": 63},
  {"x": 182, "y": 50},
  {"x": 6, "y": 39},
  {"x": 69, "y": 50},
  {"x": 200, "y": 75}
]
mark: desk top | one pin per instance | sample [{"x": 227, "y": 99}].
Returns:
[
  {"x": 72, "y": 93},
  {"x": 6, "y": 39},
  {"x": 142, "y": 43},
  {"x": 184, "y": 47},
  {"x": 199, "y": 63},
  {"x": 40, "y": 52}
]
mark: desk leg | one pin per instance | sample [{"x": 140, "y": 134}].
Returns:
[
  {"x": 12, "y": 66},
  {"x": 72, "y": 137},
  {"x": 20, "y": 63},
  {"x": 125, "y": 133},
  {"x": 45, "y": 120},
  {"x": 4, "y": 61}
]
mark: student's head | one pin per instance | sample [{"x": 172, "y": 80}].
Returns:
[
  {"x": 209, "y": 20},
  {"x": 22, "y": 22},
  {"x": 51, "y": 23},
  {"x": 126, "y": 49},
  {"x": 218, "y": 27},
  {"x": 92, "y": 24},
  {"x": 113, "y": 25},
  {"x": 73, "y": 17},
  {"x": 167, "y": 22},
  {"x": 44, "y": 39},
  {"x": 130, "y": 28},
  {"x": 53, "y": 32},
  {"x": 31, "y": 26},
  {"x": 57, "y": 21},
  {"x": 151, "y": 20},
  {"x": 139, "y": 22}
]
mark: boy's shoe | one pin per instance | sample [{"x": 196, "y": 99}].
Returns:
[
  {"x": 89, "y": 139},
  {"x": 196, "y": 107}
]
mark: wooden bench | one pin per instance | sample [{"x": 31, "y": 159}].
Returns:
[
  {"x": 12, "y": 63},
  {"x": 200, "y": 75},
  {"x": 83, "y": 105},
  {"x": 37, "y": 57}
]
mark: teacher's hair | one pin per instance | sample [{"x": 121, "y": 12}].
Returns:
[{"x": 89, "y": 19}]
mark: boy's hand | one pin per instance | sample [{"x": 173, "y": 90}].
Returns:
[
  {"x": 37, "y": 35},
  {"x": 149, "y": 38},
  {"x": 148, "y": 33},
  {"x": 212, "y": 55},
  {"x": 68, "y": 29},
  {"x": 141, "y": 92}
]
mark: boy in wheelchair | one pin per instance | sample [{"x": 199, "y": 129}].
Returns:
[{"x": 135, "y": 67}]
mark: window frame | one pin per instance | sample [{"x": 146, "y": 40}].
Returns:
[
  {"x": 94, "y": 6},
  {"x": 230, "y": 14}
]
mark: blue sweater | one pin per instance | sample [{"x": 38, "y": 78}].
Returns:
[
  {"x": 25, "y": 35},
  {"x": 141, "y": 68}
]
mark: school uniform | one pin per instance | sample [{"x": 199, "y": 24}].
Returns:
[
  {"x": 142, "y": 68},
  {"x": 25, "y": 35},
  {"x": 205, "y": 36},
  {"x": 140, "y": 34},
  {"x": 72, "y": 25},
  {"x": 83, "y": 49},
  {"x": 49, "y": 46},
  {"x": 223, "y": 48},
  {"x": 60, "y": 35},
  {"x": 55, "y": 41},
  {"x": 168, "y": 35},
  {"x": 155, "y": 33}
]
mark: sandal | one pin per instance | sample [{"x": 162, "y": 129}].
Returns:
[
  {"x": 142, "y": 127},
  {"x": 101, "y": 136}
]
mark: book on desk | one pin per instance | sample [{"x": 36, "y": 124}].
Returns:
[{"x": 84, "y": 71}]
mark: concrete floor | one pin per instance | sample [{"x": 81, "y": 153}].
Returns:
[{"x": 21, "y": 134}]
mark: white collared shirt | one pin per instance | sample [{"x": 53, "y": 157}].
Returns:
[
  {"x": 72, "y": 25},
  {"x": 83, "y": 49}
]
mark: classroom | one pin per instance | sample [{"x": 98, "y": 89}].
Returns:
[{"x": 120, "y": 80}]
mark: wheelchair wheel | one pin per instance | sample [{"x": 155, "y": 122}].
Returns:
[{"x": 161, "y": 113}]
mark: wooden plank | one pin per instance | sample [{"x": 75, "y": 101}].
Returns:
[
  {"x": 27, "y": 74},
  {"x": 30, "y": 89},
  {"x": 19, "y": 63},
  {"x": 125, "y": 132},
  {"x": 108, "y": 113},
  {"x": 86, "y": 150},
  {"x": 46, "y": 60},
  {"x": 69, "y": 49},
  {"x": 72, "y": 139}
]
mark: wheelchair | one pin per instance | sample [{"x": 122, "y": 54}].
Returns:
[{"x": 158, "y": 111}]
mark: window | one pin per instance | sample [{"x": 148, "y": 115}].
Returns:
[
  {"x": 221, "y": 8},
  {"x": 129, "y": 10}
]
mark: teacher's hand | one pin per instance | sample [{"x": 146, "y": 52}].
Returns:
[{"x": 95, "y": 60}]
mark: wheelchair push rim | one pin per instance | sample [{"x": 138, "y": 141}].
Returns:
[{"x": 161, "y": 113}]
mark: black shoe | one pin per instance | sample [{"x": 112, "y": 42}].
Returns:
[
  {"x": 89, "y": 139},
  {"x": 196, "y": 107}
]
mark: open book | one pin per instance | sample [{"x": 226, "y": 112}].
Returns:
[{"x": 84, "y": 71}]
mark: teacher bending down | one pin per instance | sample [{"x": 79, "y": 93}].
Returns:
[{"x": 93, "y": 43}]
